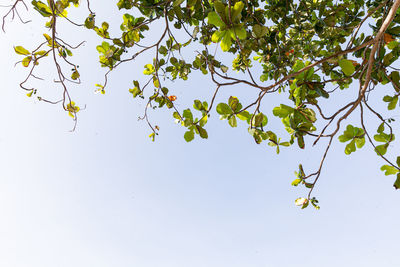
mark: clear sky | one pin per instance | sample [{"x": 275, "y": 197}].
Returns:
[{"x": 105, "y": 195}]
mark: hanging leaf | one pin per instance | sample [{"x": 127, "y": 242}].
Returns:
[{"x": 346, "y": 66}]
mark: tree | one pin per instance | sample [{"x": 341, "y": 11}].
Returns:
[{"x": 309, "y": 50}]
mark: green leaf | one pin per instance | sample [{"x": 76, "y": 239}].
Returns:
[
  {"x": 224, "y": 109},
  {"x": 272, "y": 144},
  {"x": 314, "y": 202},
  {"x": 347, "y": 67},
  {"x": 388, "y": 59},
  {"x": 149, "y": 69},
  {"x": 387, "y": 98},
  {"x": 284, "y": 144},
  {"x": 380, "y": 137},
  {"x": 234, "y": 104},
  {"x": 217, "y": 36},
  {"x": 177, "y": 3},
  {"x": 381, "y": 149},
  {"x": 300, "y": 142},
  {"x": 348, "y": 134},
  {"x": 308, "y": 185},
  {"x": 244, "y": 115},
  {"x": 257, "y": 120},
  {"x": 232, "y": 121},
  {"x": 202, "y": 132},
  {"x": 189, "y": 136},
  {"x": 215, "y": 19},
  {"x": 127, "y": 4},
  {"x": 163, "y": 50},
  {"x": 398, "y": 161},
  {"x": 176, "y": 115},
  {"x": 272, "y": 137},
  {"x": 264, "y": 121},
  {"x": 259, "y": 30},
  {"x": 21, "y": 50},
  {"x": 320, "y": 91},
  {"x": 350, "y": 147},
  {"x": 394, "y": 30},
  {"x": 309, "y": 114},
  {"x": 397, "y": 182},
  {"x": 40, "y": 53},
  {"x": 300, "y": 174},
  {"x": 75, "y": 75},
  {"x": 256, "y": 135},
  {"x": 296, "y": 182},
  {"x": 226, "y": 42},
  {"x": 238, "y": 31},
  {"x": 187, "y": 114},
  {"x": 42, "y": 8},
  {"x": 389, "y": 170},
  {"x": 197, "y": 104},
  {"x": 135, "y": 91},
  {"x": 395, "y": 77},
  {"x": 203, "y": 121},
  {"x": 298, "y": 65},
  {"x": 220, "y": 9},
  {"x": 392, "y": 45},
  {"x": 90, "y": 21},
  {"x": 224, "y": 69},
  {"x": 392, "y": 104},
  {"x": 381, "y": 128},
  {"x": 282, "y": 111},
  {"x": 384, "y": 138},
  {"x": 237, "y": 9},
  {"x": 359, "y": 142}
]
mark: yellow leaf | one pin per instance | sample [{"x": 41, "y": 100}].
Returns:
[
  {"x": 21, "y": 50},
  {"x": 26, "y": 61}
]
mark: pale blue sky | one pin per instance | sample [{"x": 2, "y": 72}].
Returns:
[{"x": 105, "y": 195}]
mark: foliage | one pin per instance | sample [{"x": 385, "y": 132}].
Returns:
[{"x": 309, "y": 50}]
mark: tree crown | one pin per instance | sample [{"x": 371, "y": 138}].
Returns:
[{"x": 308, "y": 50}]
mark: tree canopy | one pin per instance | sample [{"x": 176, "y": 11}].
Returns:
[{"x": 308, "y": 50}]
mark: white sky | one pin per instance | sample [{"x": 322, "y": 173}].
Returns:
[{"x": 105, "y": 195}]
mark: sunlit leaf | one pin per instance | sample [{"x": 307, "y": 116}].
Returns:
[
  {"x": 389, "y": 170},
  {"x": 347, "y": 67},
  {"x": 224, "y": 109},
  {"x": 189, "y": 136},
  {"x": 21, "y": 50}
]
